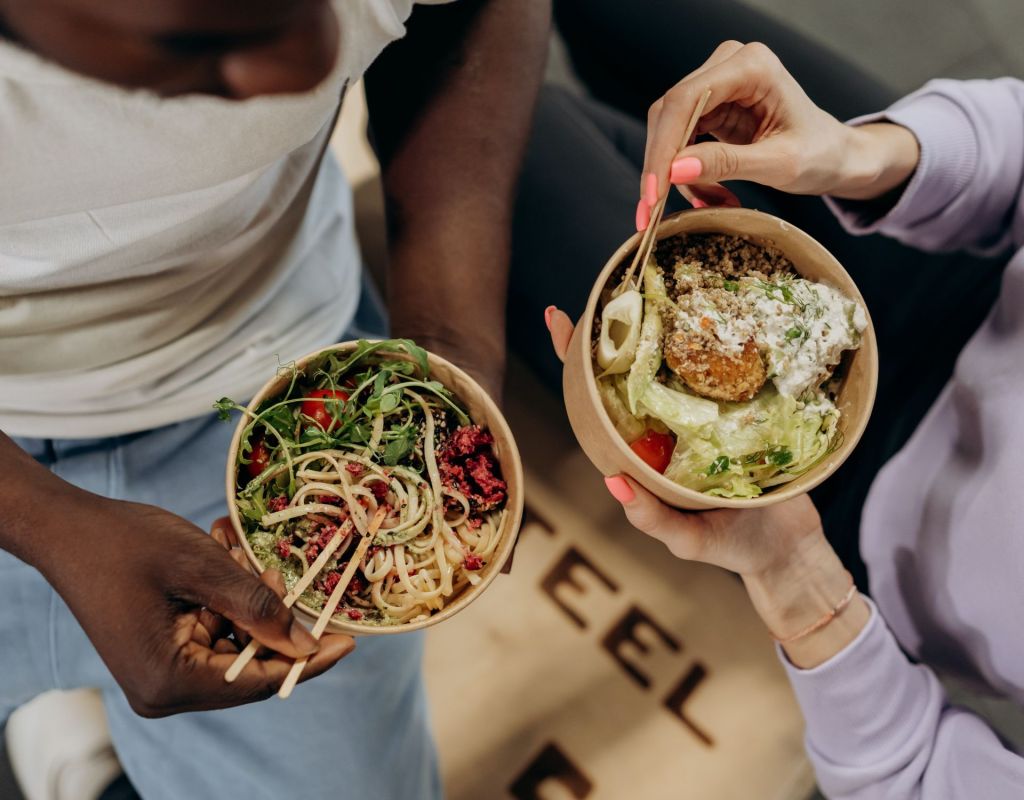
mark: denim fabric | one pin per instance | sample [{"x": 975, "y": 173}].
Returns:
[{"x": 360, "y": 730}]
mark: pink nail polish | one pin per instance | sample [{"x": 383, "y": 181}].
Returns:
[
  {"x": 685, "y": 170},
  {"x": 698, "y": 203},
  {"x": 547, "y": 315},
  {"x": 619, "y": 489},
  {"x": 650, "y": 190},
  {"x": 643, "y": 215}
]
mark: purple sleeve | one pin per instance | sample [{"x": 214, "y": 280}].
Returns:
[
  {"x": 879, "y": 726},
  {"x": 967, "y": 186}
]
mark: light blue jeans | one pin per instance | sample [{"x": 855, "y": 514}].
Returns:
[{"x": 359, "y": 731}]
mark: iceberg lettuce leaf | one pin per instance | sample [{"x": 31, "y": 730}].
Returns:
[
  {"x": 681, "y": 412},
  {"x": 629, "y": 427},
  {"x": 751, "y": 446},
  {"x": 648, "y": 350}
]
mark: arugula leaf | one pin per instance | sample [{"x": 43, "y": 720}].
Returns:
[
  {"x": 252, "y": 506},
  {"x": 440, "y": 391},
  {"x": 282, "y": 419},
  {"x": 312, "y": 435},
  {"x": 389, "y": 401},
  {"x": 364, "y": 348},
  {"x": 397, "y": 449},
  {"x": 417, "y": 353},
  {"x": 339, "y": 365},
  {"x": 360, "y": 433},
  {"x": 225, "y": 406}
]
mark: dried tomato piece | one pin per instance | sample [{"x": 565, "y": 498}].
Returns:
[
  {"x": 467, "y": 465},
  {"x": 330, "y": 583},
  {"x": 324, "y": 534},
  {"x": 492, "y": 489},
  {"x": 465, "y": 441}
]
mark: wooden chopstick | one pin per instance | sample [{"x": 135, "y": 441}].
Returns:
[
  {"x": 646, "y": 246},
  {"x": 334, "y": 600},
  {"x": 289, "y": 599}
]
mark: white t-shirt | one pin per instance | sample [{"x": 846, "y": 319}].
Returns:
[{"x": 155, "y": 253}]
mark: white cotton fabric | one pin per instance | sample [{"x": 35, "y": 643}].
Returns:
[{"x": 158, "y": 253}]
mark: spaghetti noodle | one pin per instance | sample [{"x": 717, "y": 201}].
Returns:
[{"x": 353, "y": 433}]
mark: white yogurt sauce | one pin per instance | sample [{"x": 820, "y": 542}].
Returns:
[
  {"x": 801, "y": 327},
  {"x": 803, "y": 331}
]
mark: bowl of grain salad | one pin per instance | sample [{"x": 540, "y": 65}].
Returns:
[{"x": 738, "y": 368}]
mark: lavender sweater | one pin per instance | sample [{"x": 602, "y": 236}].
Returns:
[{"x": 943, "y": 529}]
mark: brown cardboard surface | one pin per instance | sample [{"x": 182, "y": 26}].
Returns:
[{"x": 603, "y": 667}]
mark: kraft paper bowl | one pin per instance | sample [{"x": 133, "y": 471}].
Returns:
[
  {"x": 482, "y": 411},
  {"x": 611, "y": 454}
]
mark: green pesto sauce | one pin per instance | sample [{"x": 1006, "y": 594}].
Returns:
[{"x": 263, "y": 546}]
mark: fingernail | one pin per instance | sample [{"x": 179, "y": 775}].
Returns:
[
  {"x": 643, "y": 215},
  {"x": 302, "y": 639},
  {"x": 651, "y": 189},
  {"x": 547, "y": 315},
  {"x": 698, "y": 203},
  {"x": 619, "y": 489},
  {"x": 685, "y": 170}
]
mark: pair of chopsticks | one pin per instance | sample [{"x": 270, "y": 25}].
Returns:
[
  {"x": 646, "y": 247},
  {"x": 329, "y": 607}
]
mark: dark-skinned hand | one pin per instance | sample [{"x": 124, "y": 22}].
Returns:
[{"x": 166, "y": 606}]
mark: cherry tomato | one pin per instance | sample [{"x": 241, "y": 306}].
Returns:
[
  {"x": 259, "y": 458},
  {"x": 655, "y": 449},
  {"x": 313, "y": 406}
]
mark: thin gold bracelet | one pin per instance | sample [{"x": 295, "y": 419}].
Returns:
[{"x": 837, "y": 609}]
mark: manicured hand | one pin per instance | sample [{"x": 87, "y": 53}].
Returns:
[
  {"x": 157, "y": 597},
  {"x": 746, "y": 542},
  {"x": 237, "y": 48},
  {"x": 766, "y": 129},
  {"x": 790, "y": 571},
  {"x": 741, "y": 541}
]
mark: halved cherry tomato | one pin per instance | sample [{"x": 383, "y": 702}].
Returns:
[
  {"x": 259, "y": 458},
  {"x": 655, "y": 449},
  {"x": 313, "y": 406}
]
